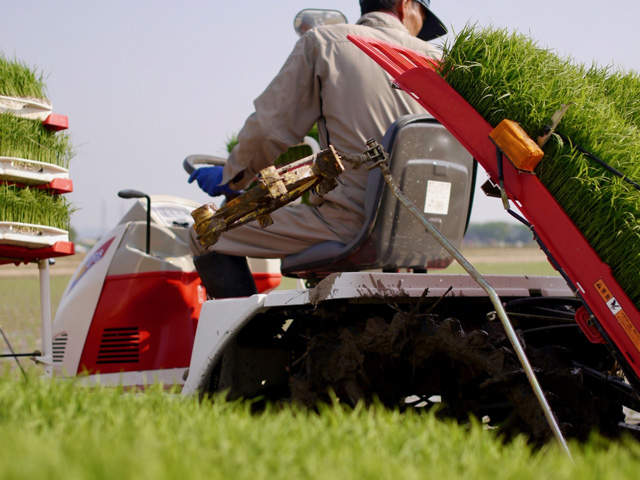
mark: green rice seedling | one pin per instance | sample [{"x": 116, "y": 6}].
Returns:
[
  {"x": 18, "y": 80},
  {"x": 59, "y": 429},
  {"x": 295, "y": 152},
  {"x": 29, "y": 139},
  {"x": 504, "y": 74},
  {"x": 232, "y": 142},
  {"x": 624, "y": 90},
  {"x": 34, "y": 206}
]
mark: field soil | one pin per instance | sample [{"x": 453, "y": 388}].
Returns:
[
  {"x": 62, "y": 266},
  {"x": 477, "y": 255},
  {"x": 504, "y": 255}
]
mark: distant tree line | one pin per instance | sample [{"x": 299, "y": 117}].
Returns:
[{"x": 498, "y": 233}]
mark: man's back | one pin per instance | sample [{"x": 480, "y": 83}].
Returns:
[
  {"x": 329, "y": 81},
  {"x": 358, "y": 102}
]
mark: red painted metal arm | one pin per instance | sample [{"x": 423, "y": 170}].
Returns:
[
  {"x": 616, "y": 314},
  {"x": 15, "y": 254}
]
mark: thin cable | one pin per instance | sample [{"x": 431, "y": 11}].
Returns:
[{"x": 600, "y": 162}]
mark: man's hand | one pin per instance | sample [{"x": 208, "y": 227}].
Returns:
[{"x": 209, "y": 179}]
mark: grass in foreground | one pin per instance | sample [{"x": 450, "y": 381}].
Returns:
[
  {"x": 52, "y": 429},
  {"x": 58, "y": 429}
]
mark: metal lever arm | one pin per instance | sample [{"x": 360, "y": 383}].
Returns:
[{"x": 276, "y": 188}]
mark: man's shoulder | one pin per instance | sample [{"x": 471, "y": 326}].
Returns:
[
  {"x": 338, "y": 33},
  {"x": 385, "y": 31}
]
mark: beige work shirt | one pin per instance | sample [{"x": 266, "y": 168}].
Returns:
[{"x": 328, "y": 80}]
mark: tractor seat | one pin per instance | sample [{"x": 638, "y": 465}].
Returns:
[{"x": 437, "y": 173}]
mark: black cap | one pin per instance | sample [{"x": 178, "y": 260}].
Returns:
[{"x": 433, "y": 27}]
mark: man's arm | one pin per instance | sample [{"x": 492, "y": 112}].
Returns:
[{"x": 284, "y": 113}]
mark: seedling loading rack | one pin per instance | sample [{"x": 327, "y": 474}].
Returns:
[
  {"x": 608, "y": 314},
  {"x": 17, "y": 254}
]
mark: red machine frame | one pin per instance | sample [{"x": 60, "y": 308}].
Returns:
[{"x": 612, "y": 312}]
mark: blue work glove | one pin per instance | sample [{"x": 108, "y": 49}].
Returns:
[{"x": 209, "y": 179}]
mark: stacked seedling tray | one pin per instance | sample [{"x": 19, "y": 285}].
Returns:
[
  {"x": 34, "y": 176},
  {"x": 34, "y": 159}
]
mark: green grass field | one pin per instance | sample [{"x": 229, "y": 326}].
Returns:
[
  {"x": 57, "y": 429},
  {"x": 505, "y": 261},
  {"x": 61, "y": 429}
]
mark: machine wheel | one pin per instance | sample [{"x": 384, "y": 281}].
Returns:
[
  {"x": 413, "y": 358},
  {"x": 410, "y": 356}
]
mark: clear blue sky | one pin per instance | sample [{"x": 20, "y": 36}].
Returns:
[{"x": 147, "y": 82}]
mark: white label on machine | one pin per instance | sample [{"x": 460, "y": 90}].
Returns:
[
  {"x": 614, "y": 306},
  {"x": 438, "y": 196}
]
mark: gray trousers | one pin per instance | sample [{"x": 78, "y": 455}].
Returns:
[{"x": 294, "y": 229}]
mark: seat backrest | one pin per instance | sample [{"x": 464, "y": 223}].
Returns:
[{"x": 436, "y": 172}]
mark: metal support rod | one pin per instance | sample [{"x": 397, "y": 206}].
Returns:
[
  {"x": 18, "y": 355},
  {"x": 45, "y": 317},
  {"x": 13, "y": 354},
  {"x": 148, "y": 242},
  {"x": 503, "y": 194},
  {"x": 495, "y": 299},
  {"x": 138, "y": 194}
]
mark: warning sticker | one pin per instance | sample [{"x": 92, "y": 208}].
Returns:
[
  {"x": 438, "y": 196},
  {"x": 632, "y": 331},
  {"x": 603, "y": 290},
  {"x": 614, "y": 306},
  {"x": 623, "y": 320}
]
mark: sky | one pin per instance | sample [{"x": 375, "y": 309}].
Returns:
[{"x": 145, "y": 83}]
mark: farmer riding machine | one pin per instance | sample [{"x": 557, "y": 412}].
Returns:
[{"x": 375, "y": 322}]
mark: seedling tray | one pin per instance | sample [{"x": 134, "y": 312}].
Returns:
[
  {"x": 35, "y": 109},
  {"x": 30, "y": 172},
  {"x": 27, "y": 235}
]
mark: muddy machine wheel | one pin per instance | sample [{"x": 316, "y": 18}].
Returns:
[{"x": 426, "y": 352}]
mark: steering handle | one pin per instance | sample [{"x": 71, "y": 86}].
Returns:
[{"x": 194, "y": 161}]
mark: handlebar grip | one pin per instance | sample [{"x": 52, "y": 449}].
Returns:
[{"x": 193, "y": 161}]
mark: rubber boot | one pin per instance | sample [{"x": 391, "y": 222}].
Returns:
[{"x": 225, "y": 276}]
